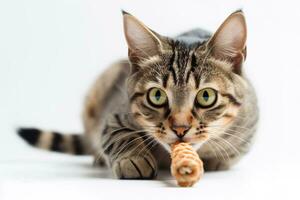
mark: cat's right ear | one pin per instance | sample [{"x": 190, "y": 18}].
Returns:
[
  {"x": 143, "y": 43},
  {"x": 229, "y": 42}
]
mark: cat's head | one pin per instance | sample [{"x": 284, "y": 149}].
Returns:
[{"x": 183, "y": 90}]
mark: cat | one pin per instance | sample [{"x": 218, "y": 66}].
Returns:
[{"x": 189, "y": 88}]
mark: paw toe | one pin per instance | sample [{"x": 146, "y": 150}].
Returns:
[{"x": 135, "y": 168}]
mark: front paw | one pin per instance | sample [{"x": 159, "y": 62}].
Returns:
[
  {"x": 215, "y": 165},
  {"x": 135, "y": 167}
]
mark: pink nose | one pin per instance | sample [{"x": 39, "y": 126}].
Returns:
[
  {"x": 180, "y": 123},
  {"x": 180, "y": 130}
]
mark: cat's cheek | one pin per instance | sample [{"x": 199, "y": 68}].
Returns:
[
  {"x": 218, "y": 124},
  {"x": 166, "y": 137},
  {"x": 223, "y": 122},
  {"x": 143, "y": 122},
  {"x": 161, "y": 139},
  {"x": 197, "y": 138},
  {"x": 139, "y": 117},
  {"x": 227, "y": 118},
  {"x": 230, "y": 115}
]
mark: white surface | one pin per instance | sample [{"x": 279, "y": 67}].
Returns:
[{"x": 51, "y": 51}]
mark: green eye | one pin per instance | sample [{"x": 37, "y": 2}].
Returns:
[
  {"x": 206, "y": 97},
  {"x": 157, "y": 97}
]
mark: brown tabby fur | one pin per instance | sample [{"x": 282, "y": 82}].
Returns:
[{"x": 126, "y": 133}]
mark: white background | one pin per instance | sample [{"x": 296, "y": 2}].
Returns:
[{"x": 51, "y": 52}]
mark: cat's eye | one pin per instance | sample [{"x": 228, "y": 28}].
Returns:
[
  {"x": 206, "y": 97},
  {"x": 157, "y": 97}
]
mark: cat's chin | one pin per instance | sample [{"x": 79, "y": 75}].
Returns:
[
  {"x": 177, "y": 140},
  {"x": 168, "y": 144},
  {"x": 198, "y": 145}
]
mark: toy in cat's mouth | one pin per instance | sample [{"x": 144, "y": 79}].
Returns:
[
  {"x": 186, "y": 166},
  {"x": 194, "y": 143},
  {"x": 200, "y": 138}
]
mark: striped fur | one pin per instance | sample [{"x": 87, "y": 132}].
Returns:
[
  {"x": 132, "y": 136},
  {"x": 74, "y": 144}
]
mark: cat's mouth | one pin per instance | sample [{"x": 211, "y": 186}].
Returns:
[
  {"x": 177, "y": 140},
  {"x": 167, "y": 138},
  {"x": 198, "y": 139}
]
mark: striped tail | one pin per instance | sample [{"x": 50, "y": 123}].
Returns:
[{"x": 74, "y": 144}]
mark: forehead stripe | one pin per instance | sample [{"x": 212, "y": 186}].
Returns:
[
  {"x": 171, "y": 66},
  {"x": 192, "y": 67},
  {"x": 188, "y": 76},
  {"x": 165, "y": 80}
]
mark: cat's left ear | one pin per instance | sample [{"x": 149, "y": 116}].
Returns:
[
  {"x": 142, "y": 42},
  {"x": 229, "y": 41}
]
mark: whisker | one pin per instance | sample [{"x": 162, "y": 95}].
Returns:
[
  {"x": 235, "y": 136},
  {"x": 127, "y": 145},
  {"x": 98, "y": 156},
  {"x": 228, "y": 143},
  {"x": 142, "y": 142},
  {"x": 213, "y": 149},
  {"x": 217, "y": 142},
  {"x": 220, "y": 126},
  {"x": 219, "y": 147},
  {"x": 146, "y": 146},
  {"x": 124, "y": 134}
]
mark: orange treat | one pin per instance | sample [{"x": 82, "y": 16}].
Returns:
[{"x": 186, "y": 165}]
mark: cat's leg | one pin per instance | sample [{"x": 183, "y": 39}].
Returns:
[
  {"x": 215, "y": 165},
  {"x": 219, "y": 164},
  {"x": 129, "y": 155}
]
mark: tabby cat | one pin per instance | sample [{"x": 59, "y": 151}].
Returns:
[{"x": 188, "y": 88}]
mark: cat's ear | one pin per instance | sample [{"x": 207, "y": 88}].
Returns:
[
  {"x": 229, "y": 41},
  {"x": 142, "y": 42}
]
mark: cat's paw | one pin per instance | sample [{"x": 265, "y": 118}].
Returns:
[
  {"x": 215, "y": 165},
  {"x": 135, "y": 167}
]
